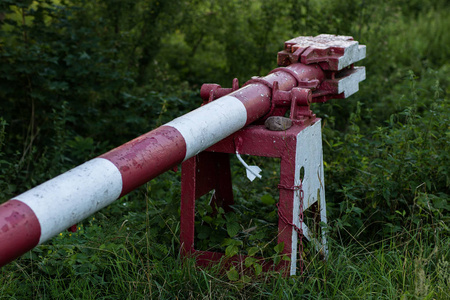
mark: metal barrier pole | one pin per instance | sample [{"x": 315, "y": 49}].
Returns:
[{"x": 35, "y": 216}]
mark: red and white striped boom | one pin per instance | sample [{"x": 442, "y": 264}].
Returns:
[{"x": 37, "y": 215}]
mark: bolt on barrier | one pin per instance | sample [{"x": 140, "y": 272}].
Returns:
[{"x": 247, "y": 120}]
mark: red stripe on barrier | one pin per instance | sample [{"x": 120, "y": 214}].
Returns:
[
  {"x": 147, "y": 156},
  {"x": 20, "y": 230}
]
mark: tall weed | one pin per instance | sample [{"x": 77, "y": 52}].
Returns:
[{"x": 398, "y": 171}]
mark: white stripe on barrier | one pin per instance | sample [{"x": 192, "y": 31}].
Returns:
[
  {"x": 207, "y": 125},
  {"x": 71, "y": 197},
  {"x": 309, "y": 156}
]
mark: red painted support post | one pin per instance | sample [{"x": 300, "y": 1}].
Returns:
[
  {"x": 298, "y": 147},
  {"x": 35, "y": 216}
]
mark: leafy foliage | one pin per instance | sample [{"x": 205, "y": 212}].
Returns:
[
  {"x": 79, "y": 77},
  {"x": 400, "y": 167}
]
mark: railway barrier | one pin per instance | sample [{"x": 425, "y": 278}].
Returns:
[{"x": 246, "y": 120}]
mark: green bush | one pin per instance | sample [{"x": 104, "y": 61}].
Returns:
[
  {"x": 80, "y": 77},
  {"x": 397, "y": 172}
]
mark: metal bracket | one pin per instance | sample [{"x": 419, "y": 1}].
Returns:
[
  {"x": 298, "y": 100},
  {"x": 211, "y": 91}
]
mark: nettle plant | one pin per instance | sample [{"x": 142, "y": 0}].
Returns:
[{"x": 395, "y": 174}]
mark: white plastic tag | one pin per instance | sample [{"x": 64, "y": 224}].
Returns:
[{"x": 252, "y": 171}]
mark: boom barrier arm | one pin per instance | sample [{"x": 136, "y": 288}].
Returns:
[{"x": 315, "y": 70}]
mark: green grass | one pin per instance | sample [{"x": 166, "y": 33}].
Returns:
[
  {"x": 386, "y": 149},
  {"x": 412, "y": 264}
]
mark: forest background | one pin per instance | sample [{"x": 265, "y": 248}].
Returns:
[{"x": 78, "y": 78}]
